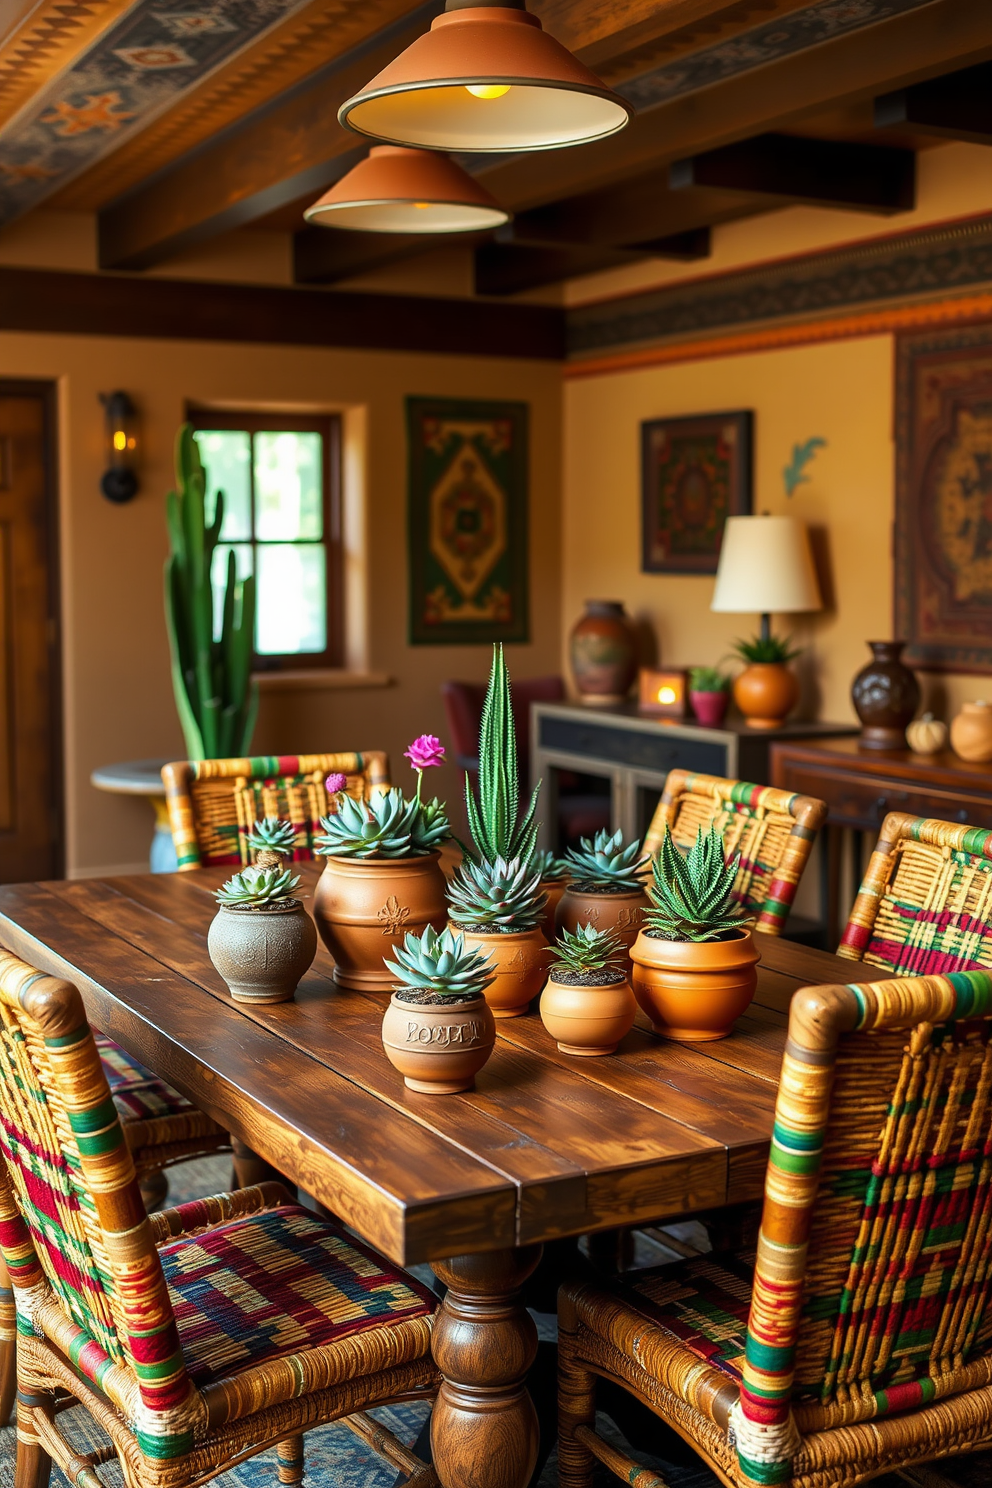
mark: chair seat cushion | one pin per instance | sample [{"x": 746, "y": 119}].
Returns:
[
  {"x": 278, "y": 1283},
  {"x": 703, "y": 1302},
  {"x": 138, "y": 1094}
]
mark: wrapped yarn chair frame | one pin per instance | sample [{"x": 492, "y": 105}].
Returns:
[{"x": 773, "y": 829}]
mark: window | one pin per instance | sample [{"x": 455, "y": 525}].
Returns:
[{"x": 282, "y": 520}]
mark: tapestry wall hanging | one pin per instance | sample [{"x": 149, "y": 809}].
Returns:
[
  {"x": 695, "y": 473},
  {"x": 467, "y": 508},
  {"x": 943, "y": 531}
]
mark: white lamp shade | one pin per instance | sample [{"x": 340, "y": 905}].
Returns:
[{"x": 765, "y": 568}]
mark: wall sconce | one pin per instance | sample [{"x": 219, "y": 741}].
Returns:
[
  {"x": 119, "y": 482},
  {"x": 662, "y": 694}
]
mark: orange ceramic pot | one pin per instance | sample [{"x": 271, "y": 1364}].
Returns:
[
  {"x": 622, "y": 912},
  {"x": 694, "y": 990},
  {"x": 766, "y": 692},
  {"x": 519, "y": 961},
  {"x": 365, "y": 906},
  {"x": 553, "y": 888},
  {"x": 438, "y": 1049},
  {"x": 971, "y": 732},
  {"x": 585, "y": 1019}
]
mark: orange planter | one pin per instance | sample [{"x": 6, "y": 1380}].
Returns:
[
  {"x": 587, "y": 1019},
  {"x": 623, "y": 912},
  {"x": 438, "y": 1050},
  {"x": 553, "y": 888},
  {"x": 694, "y": 990},
  {"x": 766, "y": 692},
  {"x": 365, "y": 906},
  {"x": 520, "y": 963}
]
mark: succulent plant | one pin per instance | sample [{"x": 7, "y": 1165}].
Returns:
[
  {"x": 604, "y": 863},
  {"x": 387, "y": 826},
  {"x": 498, "y": 829},
  {"x": 429, "y": 826},
  {"x": 442, "y": 964},
  {"x": 270, "y": 840},
  {"x": 692, "y": 894},
  {"x": 551, "y": 869},
  {"x": 587, "y": 951},
  {"x": 766, "y": 649},
  {"x": 708, "y": 679},
  {"x": 502, "y": 895},
  {"x": 258, "y": 887}
]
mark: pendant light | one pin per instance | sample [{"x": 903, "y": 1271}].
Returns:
[
  {"x": 396, "y": 190},
  {"x": 485, "y": 78}
]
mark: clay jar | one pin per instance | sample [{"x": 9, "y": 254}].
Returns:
[
  {"x": 971, "y": 732},
  {"x": 262, "y": 952},
  {"x": 622, "y": 912},
  {"x": 766, "y": 693},
  {"x": 438, "y": 1047},
  {"x": 365, "y": 906},
  {"x": 518, "y": 962},
  {"x": 603, "y": 653},
  {"x": 553, "y": 888},
  {"x": 885, "y": 694},
  {"x": 693, "y": 990},
  {"x": 586, "y": 1018}
]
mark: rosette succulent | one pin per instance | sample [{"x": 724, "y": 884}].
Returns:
[
  {"x": 588, "y": 953},
  {"x": 551, "y": 868},
  {"x": 504, "y": 895},
  {"x": 442, "y": 964},
  {"x": 606, "y": 864},
  {"x": 256, "y": 888},
  {"x": 271, "y": 840},
  {"x": 387, "y": 826},
  {"x": 692, "y": 894}
]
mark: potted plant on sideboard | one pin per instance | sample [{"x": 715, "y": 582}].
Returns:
[
  {"x": 261, "y": 940},
  {"x": 438, "y": 1029},
  {"x": 587, "y": 1005}
]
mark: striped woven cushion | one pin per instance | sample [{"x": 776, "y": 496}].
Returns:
[
  {"x": 703, "y": 1302},
  {"x": 138, "y": 1094},
  {"x": 274, "y": 1284}
]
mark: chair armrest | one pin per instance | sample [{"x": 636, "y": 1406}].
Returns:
[{"x": 203, "y": 1214}]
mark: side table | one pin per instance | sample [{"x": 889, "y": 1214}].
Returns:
[{"x": 143, "y": 778}]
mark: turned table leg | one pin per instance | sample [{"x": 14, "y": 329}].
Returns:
[{"x": 484, "y": 1431}]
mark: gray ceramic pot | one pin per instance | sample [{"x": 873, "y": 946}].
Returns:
[{"x": 262, "y": 953}]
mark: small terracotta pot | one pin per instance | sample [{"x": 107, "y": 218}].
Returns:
[
  {"x": 262, "y": 953},
  {"x": 554, "y": 888},
  {"x": 710, "y": 708},
  {"x": 623, "y": 912},
  {"x": 971, "y": 732},
  {"x": 519, "y": 961},
  {"x": 436, "y": 1049},
  {"x": 587, "y": 1019},
  {"x": 766, "y": 692},
  {"x": 365, "y": 906},
  {"x": 693, "y": 990}
]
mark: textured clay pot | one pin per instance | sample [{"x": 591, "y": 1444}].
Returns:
[
  {"x": 710, "y": 708},
  {"x": 438, "y": 1049},
  {"x": 519, "y": 961},
  {"x": 262, "y": 953},
  {"x": 623, "y": 913},
  {"x": 554, "y": 888},
  {"x": 885, "y": 694},
  {"x": 585, "y": 1019},
  {"x": 365, "y": 906},
  {"x": 603, "y": 653},
  {"x": 971, "y": 732},
  {"x": 766, "y": 693},
  {"x": 693, "y": 990}
]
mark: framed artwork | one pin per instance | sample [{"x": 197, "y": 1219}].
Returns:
[
  {"x": 467, "y": 509},
  {"x": 695, "y": 473},
  {"x": 943, "y": 528}
]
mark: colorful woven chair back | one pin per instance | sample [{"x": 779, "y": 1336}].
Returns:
[
  {"x": 871, "y": 1287},
  {"x": 773, "y": 830},
  {"x": 73, "y": 1230},
  {"x": 213, "y": 803},
  {"x": 925, "y": 906}
]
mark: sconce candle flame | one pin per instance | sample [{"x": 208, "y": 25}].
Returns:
[{"x": 119, "y": 482}]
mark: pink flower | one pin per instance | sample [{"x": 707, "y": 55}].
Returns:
[
  {"x": 335, "y": 782},
  {"x": 425, "y": 752}
]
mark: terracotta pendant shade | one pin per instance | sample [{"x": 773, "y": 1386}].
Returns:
[
  {"x": 485, "y": 78},
  {"x": 396, "y": 190}
]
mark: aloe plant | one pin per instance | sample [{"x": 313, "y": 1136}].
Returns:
[
  {"x": 589, "y": 953},
  {"x": 498, "y": 828},
  {"x": 766, "y": 649},
  {"x": 692, "y": 894}
]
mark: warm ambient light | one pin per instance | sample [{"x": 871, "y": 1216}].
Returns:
[
  {"x": 662, "y": 694},
  {"x": 667, "y": 694},
  {"x": 397, "y": 190},
  {"x": 119, "y": 482},
  {"x": 488, "y": 90}
]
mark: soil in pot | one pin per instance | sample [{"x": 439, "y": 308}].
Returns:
[
  {"x": 519, "y": 963},
  {"x": 586, "y": 1013},
  {"x": 438, "y": 1044},
  {"x": 694, "y": 990},
  {"x": 365, "y": 906},
  {"x": 604, "y": 908},
  {"x": 262, "y": 951}
]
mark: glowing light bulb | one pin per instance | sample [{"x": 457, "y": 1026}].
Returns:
[
  {"x": 487, "y": 90},
  {"x": 666, "y": 694},
  {"x": 421, "y": 206},
  {"x": 120, "y": 439}
]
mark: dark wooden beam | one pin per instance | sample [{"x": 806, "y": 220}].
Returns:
[
  {"x": 955, "y": 106},
  {"x": 514, "y": 261},
  {"x": 872, "y": 178},
  {"x": 324, "y": 255},
  {"x": 683, "y": 247}
]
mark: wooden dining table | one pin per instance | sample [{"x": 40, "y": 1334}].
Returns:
[{"x": 546, "y": 1146}]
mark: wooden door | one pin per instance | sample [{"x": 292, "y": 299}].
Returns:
[{"x": 30, "y": 756}]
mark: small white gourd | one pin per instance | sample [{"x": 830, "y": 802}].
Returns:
[{"x": 926, "y": 735}]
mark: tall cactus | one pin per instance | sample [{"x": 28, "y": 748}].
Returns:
[{"x": 215, "y": 695}]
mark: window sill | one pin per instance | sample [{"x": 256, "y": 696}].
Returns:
[{"x": 319, "y": 679}]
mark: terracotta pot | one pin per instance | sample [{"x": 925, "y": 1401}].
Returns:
[
  {"x": 620, "y": 912},
  {"x": 262, "y": 953},
  {"x": 520, "y": 962},
  {"x": 587, "y": 1019},
  {"x": 603, "y": 653},
  {"x": 438, "y": 1049},
  {"x": 766, "y": 692},
  {"x": 693, "y": 990},
  {"x": 554, "y": 888},
  {"x": 710, "y": 708},
  {"x": 885, "y": 694},
  {"x": 971, "y": 732},
  {"x": 365, "y": 906}
]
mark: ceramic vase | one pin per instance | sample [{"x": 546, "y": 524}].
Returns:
[
  {"x": 440, "y": 1048},
  {"x": 364, "y": 907},
  {"x": 710, "y": 708},
  {"x": 262, "y": 952},
  {"x": 885, "y": 694},
  {"x": 603, "y": 653},
  {"x": 553, "y": 888},
  {"x": 766, "y": 693},
  {"x": 694, "y": 990},
  {"x": 971, "y": 732},
  {"x": 519, "y": 962},
  {"x": 587, "y": 1020}
]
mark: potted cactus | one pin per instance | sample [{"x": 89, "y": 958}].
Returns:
[
  {"x": 607, "y": 887},
  {"x": 438, "y": 1029},
  {"x": 555, "y": 874},
  {"x": 271, "y": 842},
  {"x": 382, "y": 878},
  {"x": 587, "y": 1006},
  {"x": 261, "y": 940},
  {"x": 695, "y": 960}
]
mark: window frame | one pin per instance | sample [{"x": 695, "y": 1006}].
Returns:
[{"x": 329, "y": 426}]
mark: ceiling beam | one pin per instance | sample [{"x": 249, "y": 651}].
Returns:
[
  {"x": 955, "y": 106},
  {"x": 323, "y": 255},
  {"x": 870, "y": 178},
  {"x": 516, "y": 260}
]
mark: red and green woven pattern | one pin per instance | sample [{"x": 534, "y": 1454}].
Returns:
[
  {"x": 703, "y": 1302},
  {"x": 138, "y": 1094}
]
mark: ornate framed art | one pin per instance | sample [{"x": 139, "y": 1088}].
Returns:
[{"x": 695, "y": 473}]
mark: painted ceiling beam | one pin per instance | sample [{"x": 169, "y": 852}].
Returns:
[
  {"x": 955, "y": 106},
  {"x": 870, "y": 178}
]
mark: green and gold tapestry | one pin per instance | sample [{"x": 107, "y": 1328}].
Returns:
[{"x": 467, "y": 521}]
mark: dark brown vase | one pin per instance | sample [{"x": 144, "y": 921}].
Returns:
[
  {"x": 885, "y": 694},
  {"x": 603, "y": 653}
]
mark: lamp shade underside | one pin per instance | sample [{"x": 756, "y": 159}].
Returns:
[{"x": 399, "y": 190}]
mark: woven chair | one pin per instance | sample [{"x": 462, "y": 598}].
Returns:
[
  {"x": 197, "y": 1337},
  {"x": 773, "y": 830},
  {"x": 860, "y": 1338},
  {"x": 925, "y": 906},
  {"x": 213, "y": 803}
]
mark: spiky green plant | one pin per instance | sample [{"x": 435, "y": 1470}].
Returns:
[
  {"x": 215, "y": 695},
  {"x": 272, "y": 834},
  {"x": 766, "y": 649},
  {"x": 708, "y": 679},
  {"x": 551, "y": 869},
  {"x": 498, "y": 829},
  {"x": 255, "y": 887},
  {"x": 692, "y": 893},
  {"x": 605, "y": 864},
  {"x": 503, "y": 895},
  {"x": 429, "y": 826},
  {"x": 441, "y": 964},
  {"x": 386, "y": 826},
  {"x": 586, "y": 952}
]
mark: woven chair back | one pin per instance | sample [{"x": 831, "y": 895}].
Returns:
[
  {"x": 213, "y": 803},
  {"x": 773, "y": 830},
  {"x": 925, "y": 906}
]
